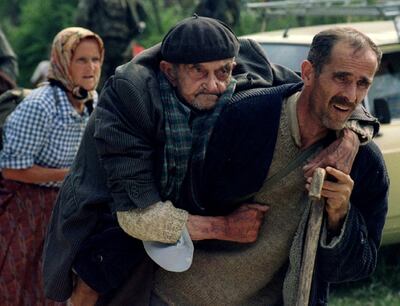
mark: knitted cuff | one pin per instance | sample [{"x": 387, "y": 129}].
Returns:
[{"x": 160, "y": 222}]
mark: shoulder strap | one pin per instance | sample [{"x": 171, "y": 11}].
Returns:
[{"x": 297, "y": 161}]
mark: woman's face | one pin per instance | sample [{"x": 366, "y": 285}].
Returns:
[{"x": 85, "y": 64}]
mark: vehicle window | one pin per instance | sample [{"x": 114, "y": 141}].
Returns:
[
  {"x": 290, "y": 56},
  {"x": 387, "y": 83}
]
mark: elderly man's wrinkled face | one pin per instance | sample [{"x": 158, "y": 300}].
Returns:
[{"x": 200, "y": 85}]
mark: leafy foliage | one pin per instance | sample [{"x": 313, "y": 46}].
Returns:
[
  {"x": 32, "y": 24},
  {"x": 40, "y": 21},
  {"x": 381, "y": 289}
]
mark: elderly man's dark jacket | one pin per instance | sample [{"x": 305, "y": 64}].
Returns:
[{"x": 118, "y": 165}]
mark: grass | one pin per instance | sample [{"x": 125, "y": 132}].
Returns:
[{"x": 381, "y": 289}]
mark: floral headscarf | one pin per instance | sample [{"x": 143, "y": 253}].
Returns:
[{"x": 64, "y": 45}]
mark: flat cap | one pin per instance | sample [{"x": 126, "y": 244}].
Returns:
[{"x": 199, "y": 39}]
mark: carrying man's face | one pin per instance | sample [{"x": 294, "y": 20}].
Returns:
[
  {"x": 342, "y": 84},
  {"x": 200, "y": 85}
]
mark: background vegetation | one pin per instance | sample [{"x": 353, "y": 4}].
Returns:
[
  {"x": 381, "y": 289},
  {"x": 31, "y": 25}
]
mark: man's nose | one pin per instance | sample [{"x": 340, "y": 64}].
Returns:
[
  {"x": 213, "y": 85},
  {"x": 351, "y": 93}
]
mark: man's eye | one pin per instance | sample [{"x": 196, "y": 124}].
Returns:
[
  {"x": 341, "y": 78},
  {"x": 222, "y": 74},
  {"x": 363, "y": 84},
  {"x": 197, "y": 72}
]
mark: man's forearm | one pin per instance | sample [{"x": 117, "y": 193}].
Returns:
[
  {"x": 202, "y": 228},
  {"x": 35, "y": 174},
  {"x": 242, "y": 225},
  {"x": 163, "y": 222},
  {"x": 339, "y": 154}
]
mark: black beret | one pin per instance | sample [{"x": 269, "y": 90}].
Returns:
[{"x": 199, "y": 39}]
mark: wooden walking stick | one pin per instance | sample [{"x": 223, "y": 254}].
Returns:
[{"x": 312, "y": 237}]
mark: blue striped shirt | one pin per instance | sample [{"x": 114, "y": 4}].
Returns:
[{"x": 44, "y": 130}]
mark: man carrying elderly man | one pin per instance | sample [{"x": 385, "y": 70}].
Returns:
[{"x": 142, "y": 165}]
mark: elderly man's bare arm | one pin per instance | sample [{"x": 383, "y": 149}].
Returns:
[
  {"x": 163, "y": 222},
  {"x": 339, "y": 154}
]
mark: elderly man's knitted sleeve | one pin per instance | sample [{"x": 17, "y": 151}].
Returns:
[
  {"x": 160, "y": 222},
  {"x": 364, "y": 132}
]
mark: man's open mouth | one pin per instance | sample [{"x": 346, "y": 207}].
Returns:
[{"x": 341, "y": 107}]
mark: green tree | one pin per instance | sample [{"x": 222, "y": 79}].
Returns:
[
  {"x": 39, "y": 22},
  {"x": 10, "y": 11},
  {"x": 31, "y": 25}
]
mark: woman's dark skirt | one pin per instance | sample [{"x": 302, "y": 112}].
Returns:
[{"x": 25, "y": 210}]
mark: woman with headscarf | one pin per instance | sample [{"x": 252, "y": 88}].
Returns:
[{"x": 40, "y": 140}]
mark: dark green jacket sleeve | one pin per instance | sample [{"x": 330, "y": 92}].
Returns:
[{"x": 129, "y": 137}]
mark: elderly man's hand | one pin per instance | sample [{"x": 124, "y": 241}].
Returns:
[
  {"x": 337, "y": 196},
  {"x": 242, "y": 225},
  {"x": 339, "y": 154}
]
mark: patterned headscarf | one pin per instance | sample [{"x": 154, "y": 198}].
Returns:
[{"x": 62, "y": 50}]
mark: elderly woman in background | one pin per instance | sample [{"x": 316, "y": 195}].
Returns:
[{"x": 40, "y": 140}]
